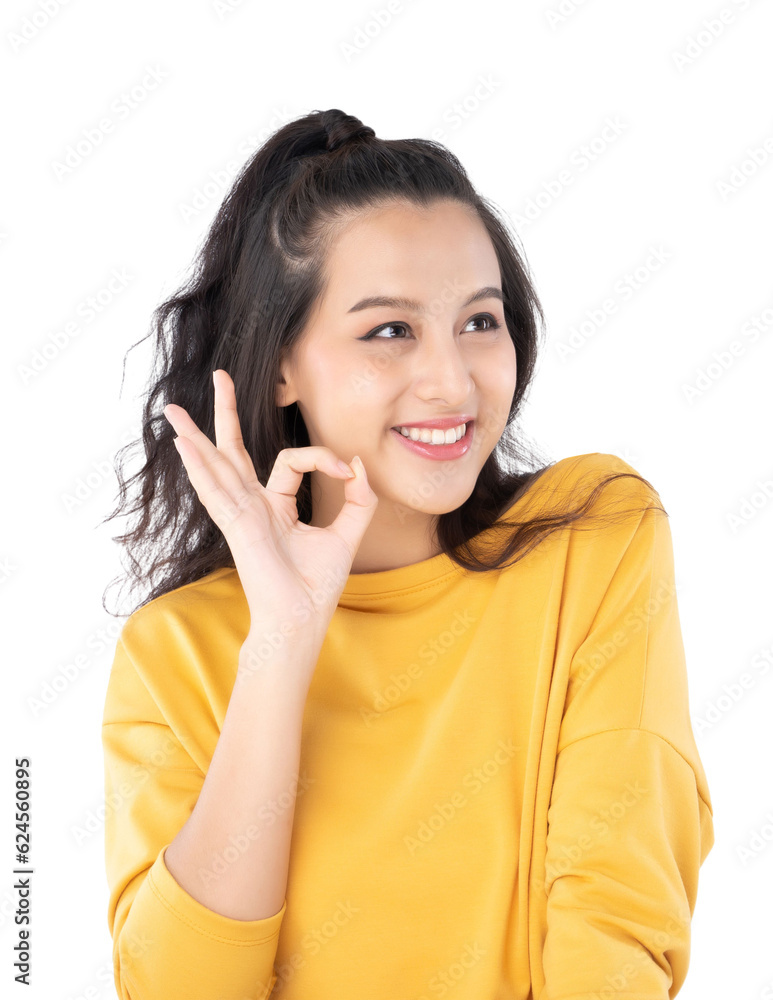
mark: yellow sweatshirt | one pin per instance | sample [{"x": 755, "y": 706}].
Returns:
[{"x": 500, "y": 795}]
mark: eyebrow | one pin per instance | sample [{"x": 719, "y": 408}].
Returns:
[{"x": 489, "y": 292}]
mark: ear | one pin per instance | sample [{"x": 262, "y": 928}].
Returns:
[{"x": 285, "y": 392}]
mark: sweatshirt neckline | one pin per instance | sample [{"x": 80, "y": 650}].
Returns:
[{"x": 390, "y": 581}]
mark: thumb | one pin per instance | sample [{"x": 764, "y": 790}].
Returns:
[{"x": 358, "y": 510}]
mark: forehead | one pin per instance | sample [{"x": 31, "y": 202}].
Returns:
[{"x": 404, "y": 249}]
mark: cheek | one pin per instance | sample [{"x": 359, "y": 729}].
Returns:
[
  {"x": 368, "y": 385},
  {"x": 499, "y": 369},
  {"x": 328, "y": 372},
  {"x": 498, "y": 390},
  {"x": 508, "y": 371}
]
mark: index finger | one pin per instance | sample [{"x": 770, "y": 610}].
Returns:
[
  {"x": 228, "y": 433},
  {"x": 291, "y": 464}
]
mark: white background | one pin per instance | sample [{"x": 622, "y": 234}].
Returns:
[{"x": 691, "y": 102}]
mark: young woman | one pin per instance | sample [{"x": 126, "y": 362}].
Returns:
[{"x": 395, "y": 719}]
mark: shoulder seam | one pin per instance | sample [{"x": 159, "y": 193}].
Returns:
[{"x": 638, "y": 729}]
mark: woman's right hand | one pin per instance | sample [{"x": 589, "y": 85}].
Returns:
[{"x": 292, "y": 573}]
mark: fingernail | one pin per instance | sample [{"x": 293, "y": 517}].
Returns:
[{"x": 345, "y": 468}]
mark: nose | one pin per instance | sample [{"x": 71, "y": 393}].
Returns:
[{"x": 441, "y": 370}]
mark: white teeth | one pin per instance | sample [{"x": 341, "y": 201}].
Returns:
[{"x": 433, "y": 435}]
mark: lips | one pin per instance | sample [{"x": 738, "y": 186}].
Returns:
[{"x": 439, "y": 452}]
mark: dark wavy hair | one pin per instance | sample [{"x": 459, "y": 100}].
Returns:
[{"x": 256, "y": 279}]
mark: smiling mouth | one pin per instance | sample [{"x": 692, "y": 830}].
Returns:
[
  {"x": 440, "y": 451},
  {"x": 433, "y": 436}
]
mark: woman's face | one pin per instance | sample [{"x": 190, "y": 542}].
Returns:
[{"x": 440, "y": 358}]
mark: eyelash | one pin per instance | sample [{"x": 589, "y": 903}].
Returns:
[{"x": 495, "y": 325}]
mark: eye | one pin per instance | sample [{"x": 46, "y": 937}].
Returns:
[
  {"x": 386, "y": 326},
  {"x": 494, "y": 324}
]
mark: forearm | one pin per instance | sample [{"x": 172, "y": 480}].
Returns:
[{"x": 232, "y": 854}]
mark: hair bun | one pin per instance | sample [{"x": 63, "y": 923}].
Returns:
[{"x": 342, "y": 129}]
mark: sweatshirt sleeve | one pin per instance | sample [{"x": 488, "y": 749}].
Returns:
[
  {"x": 166, "y": 944},
  {"x": 630, "y": 817}
]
